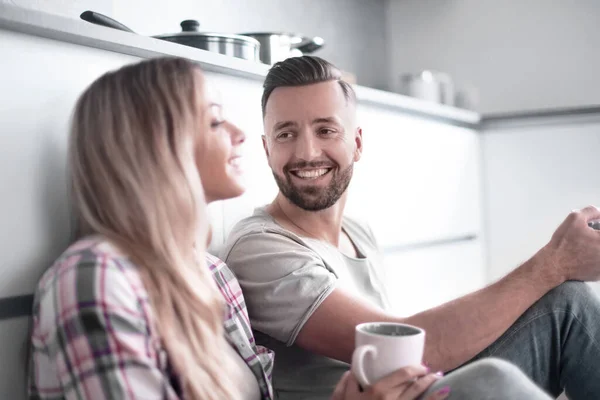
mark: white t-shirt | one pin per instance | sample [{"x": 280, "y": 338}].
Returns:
[{"x": 285, "y": 277}]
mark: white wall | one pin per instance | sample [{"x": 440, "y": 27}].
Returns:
[
  {"x": 522, "y": 55},
  {"x": 34, "y": 209},
  {"x": 353, "y": 29}
]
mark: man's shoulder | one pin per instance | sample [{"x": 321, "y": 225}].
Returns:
[
  {"x": 259, "y": 226},
  {"x": 259, "y": 233},
  {"x": 258, "y": 222}
]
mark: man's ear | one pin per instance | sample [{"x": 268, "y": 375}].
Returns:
[{"x": 358, "y": 140}]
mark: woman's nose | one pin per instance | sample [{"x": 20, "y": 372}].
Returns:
[{"x": 237, "y": 135}]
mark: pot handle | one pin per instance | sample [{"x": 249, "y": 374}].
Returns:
[
  {"x": 190, "y": 25},
  {"x": 103, "y": 20},
  {"x": 309, "y": 45}
]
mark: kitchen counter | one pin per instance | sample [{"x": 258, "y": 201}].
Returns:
[
  {"x": 32, "y": 22},
  {"x": 555, "y": 116}
]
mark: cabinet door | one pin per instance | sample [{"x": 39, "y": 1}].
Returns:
[
  {"x": 418, "y": 180},
  {"x": 427, "y": 277},
  {"x": 536, "y": 171}
]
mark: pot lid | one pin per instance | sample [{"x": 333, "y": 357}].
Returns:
[{"x": 190, "y": 28}]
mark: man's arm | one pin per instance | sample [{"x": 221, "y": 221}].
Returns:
[
  {"x": 460, "y": 329},
  {"x": 456, "y": 331}
]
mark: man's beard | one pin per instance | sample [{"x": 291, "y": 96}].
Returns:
[{"x": 314, "y": 198}]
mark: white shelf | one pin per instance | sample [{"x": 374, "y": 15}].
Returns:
[
  {"x": 423, "y": 108},
  {"x": 37, "y": 23}
]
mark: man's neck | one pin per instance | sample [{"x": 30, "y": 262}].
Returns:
[{"x": 324, "y": 225}]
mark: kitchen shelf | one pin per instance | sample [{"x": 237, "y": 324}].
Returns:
[{"x": 37, "y": 23}]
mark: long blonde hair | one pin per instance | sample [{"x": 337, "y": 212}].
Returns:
[{"x": 135, "y": 181}]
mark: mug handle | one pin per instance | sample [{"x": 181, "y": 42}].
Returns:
[{"x": 357, "y": 363}]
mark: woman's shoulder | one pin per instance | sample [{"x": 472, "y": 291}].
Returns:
[
  {"x": 90, "y": 276},
  {"x": 86, "y": 263},
  {"x": 225, "y": 279},
  {"x": 90, "y": 309}
]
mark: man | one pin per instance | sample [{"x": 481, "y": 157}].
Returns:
[{"x": 310, "y": 275}]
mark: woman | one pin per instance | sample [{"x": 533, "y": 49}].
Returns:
[
  {"x": 130, "y": 310},
  {"x": 135, "y": 308}
]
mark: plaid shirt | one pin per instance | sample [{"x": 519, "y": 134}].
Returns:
[{"x": 92, "y": 337}]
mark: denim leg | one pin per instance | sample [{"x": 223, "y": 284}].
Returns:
[
  {"x": 489, "y": 379},
  {"x": 557, "y": 342}
]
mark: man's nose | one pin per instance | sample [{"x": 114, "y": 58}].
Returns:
[{"x": 308, "y": 147}]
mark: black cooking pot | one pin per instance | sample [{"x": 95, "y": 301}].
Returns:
[{"x": 239, "y": 46}]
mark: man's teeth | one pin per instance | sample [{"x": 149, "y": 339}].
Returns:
[{"x": 312, "y": 174}]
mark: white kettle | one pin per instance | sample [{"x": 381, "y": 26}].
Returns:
[{"x": 428, "y": 85}]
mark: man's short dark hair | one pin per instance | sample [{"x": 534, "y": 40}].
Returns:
[{"x": 300, "y": 71}]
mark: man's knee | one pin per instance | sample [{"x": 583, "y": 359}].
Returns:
[
  {"x": 483, "y": 375},
  {"x": 496, "y": 369},
  {"x": 491, "y": 378}
]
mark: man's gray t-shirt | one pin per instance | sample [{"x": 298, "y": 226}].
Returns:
[{"x": 285, "y": 277}]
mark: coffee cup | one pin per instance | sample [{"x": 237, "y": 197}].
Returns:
[{"x": 384, "y": 347}]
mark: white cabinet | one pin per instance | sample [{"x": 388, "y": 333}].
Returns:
[
  {"x": 427, "y": 277},
  {"x": 418, "y": 180},
  {"x": 418, "y": 185},
  {"x": 536, "y": 171}
]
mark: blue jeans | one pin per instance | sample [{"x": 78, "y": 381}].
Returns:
[{"x": 556, "y": 343}]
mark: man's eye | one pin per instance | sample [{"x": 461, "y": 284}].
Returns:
[
  {"x": 284, "y": 135},
  {"x": 326, "y": 131},
  {"x": 216, "y": 124}
]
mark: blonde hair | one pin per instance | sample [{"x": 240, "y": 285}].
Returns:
[{"x": 135, "y": 182}]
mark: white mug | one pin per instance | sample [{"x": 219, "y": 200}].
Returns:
[{"x": 384, "y": 347}]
